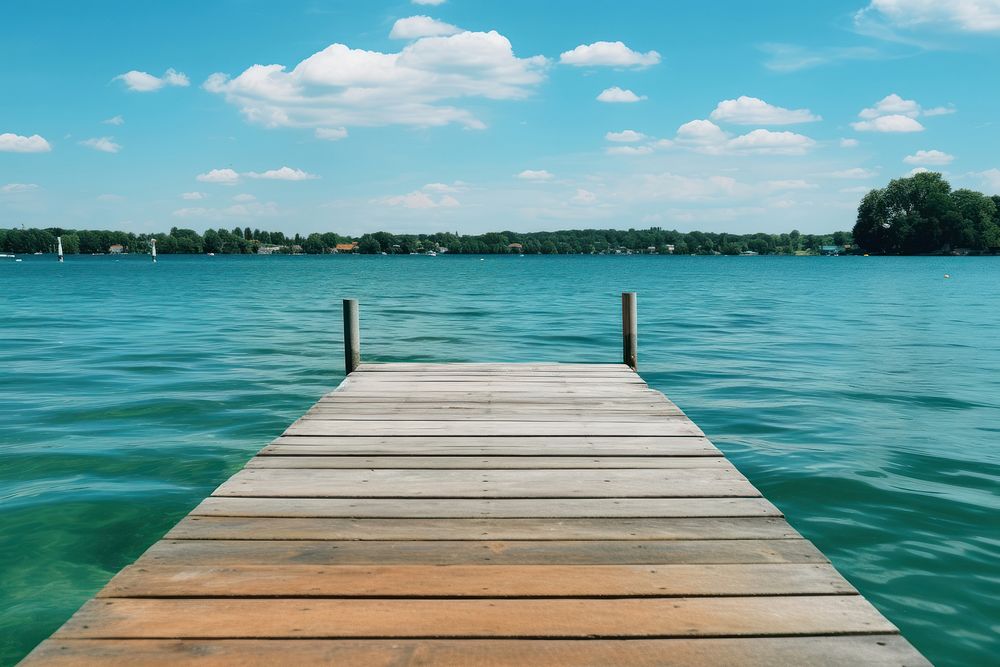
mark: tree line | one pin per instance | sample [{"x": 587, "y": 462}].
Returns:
[
  {"x": 581, "y": 241},
  {"x": 923, "y": 215}
]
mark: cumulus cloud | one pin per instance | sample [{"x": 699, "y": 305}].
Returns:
[
  {"x": 704, "y": 136},
  {"x": 14, "y": 188},
  {"x": 629, "y": 150},
  {"x": 282, "y": 174},
  {"x": 893, "y": 113},
  {"x": 608, "y": 54},
  {"x": 114, "y": 120},
  {"x": 990, "y": 179},
  {"x": 331, "y": 133},
  {"x": 890, "y": 105},
  {"x": 415, "y": 27},
  {"x": 220, "y": 177},
  {"x": 457, "y": 186},
  {"x": 418, "y": 86},
  {"x": 144, "y": 82},
  {"x": 584, "y": 197},
  {"x": 16, "y": 143},
  {"x": 892, "y": 123},
  {"x": 193, "y": 196},
  {"x": 103, "y": 144},
  {"x": 625, "y": 136},
  {"x": 918, "y": 170},
  {"x": 855, "y": 172},
  {"x": 535, "y": 175},
  {"x": 972, "y": 16},
  {"x": 933, "y": 157},
  {"x": 618, "y": 95},
  {"x": 790, "y": 184},
  {"x": 849, "y": 143},
  {"x": 753, "y": 111},
  {"x": 419, "y": 199}
]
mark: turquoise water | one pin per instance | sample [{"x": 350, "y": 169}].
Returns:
[{"x": 861, "y": 395}]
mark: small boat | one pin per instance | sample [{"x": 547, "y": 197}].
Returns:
[
  {"x": 211, "y": 254},
  {"x": 431, "y": 253},
  {"x": 5, "y": 256},
  {"x": 36, "y": 253}
]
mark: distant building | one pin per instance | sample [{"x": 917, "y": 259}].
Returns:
[
  {"x": 651, "y": 249},
  {"x": 346, "y": 247},
  {"x": 830, "y": 250},
  {"x": 670, "y": 248},
  {"x": 515, "y": 247},
  {"x": 116, "y": 249},
  {"x": 268, "y": 249}
]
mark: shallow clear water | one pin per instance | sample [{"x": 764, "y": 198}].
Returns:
[{"x": 861, "y": 395}]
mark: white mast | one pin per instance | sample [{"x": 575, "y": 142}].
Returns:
[
  {"x": 152, "y": 243},
  {"x": 59, "y": 241}
]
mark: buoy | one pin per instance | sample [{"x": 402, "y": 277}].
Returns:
[{"x": 947, "y": 275}]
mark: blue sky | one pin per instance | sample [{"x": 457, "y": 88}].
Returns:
[{"x": 468, "y": 115}]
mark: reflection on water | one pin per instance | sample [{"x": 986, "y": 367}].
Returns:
[{"x": 859, "y": 394}]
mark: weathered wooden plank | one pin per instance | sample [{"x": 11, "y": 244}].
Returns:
[
  {"x": 664, "y": 427},
  {"x": 357, "y": 379},
  {"x": 583, "y": 483},
  {"x": 341, "y": 417},
  {"x": 487, "y": 367},
  {"x": 495, "y": 462},
  {"x": 494, "y": 446},
  {"x": 878, "y": 650},
  {"x": 479, "y": 529},
  {"x": 524, "y": 399},
  {"x": 542, "y": 618},
  {"x": 430, "y": 508},
  {"x": 568, "y": 552},
  {"x": 478, "y": 581}
]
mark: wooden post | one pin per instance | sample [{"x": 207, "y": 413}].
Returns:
[
  {"x": 352, "y": 336},
  {"x": 630, "y": 330}
]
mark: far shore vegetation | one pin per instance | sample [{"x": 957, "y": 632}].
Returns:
[{"x": 916, "y": 215}]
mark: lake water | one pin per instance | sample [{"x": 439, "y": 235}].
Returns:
[{"x": 861, "y": 395}]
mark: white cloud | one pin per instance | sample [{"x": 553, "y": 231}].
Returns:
[
  {"x": 974, "y": 16},
  {"x": 791, "y": 184},
  {"x": 193, "y": 196},
  {"x": 14, "y": 188},
  {"x": 283, "y": 174},
  {"x": 892, "y": 104},
  {"x": 584, "y": 197},
  {"x": 619, "y": 95},
  {"x": 103, "y": 144},
  {"x": 419, "y": 199},
  {"x": 629, "y": 150},
  {"x": 753, "y": 111},
  {"x": 625, "y": 136},
  {"x": 608, "y": 54},
  {"x": 457, "y": 186},
  {"x": 244, "y": 197},
  {"x": 433, "y": 3},
  {"x": 535, "y": 175},
  {"x": 855, "y": 172},
  {"x": 792, "y": 57},
  {"x": 704, "y": 136},
  {"x": 773, "y": 143},
  {"x": 918, "y": 170},
  {"x": 667, "y": 186},
  {"x": 415, "y": 27},
  {"x": 893, "y": 123},
  {"x": 219, "y": 176},
  {"x": 16, "y": 143},
  {"x": 849, "y": 143},
  {"x": 418, "y": 86},
  {"x": 940, "y": 111},
  {"x": 933, "y": 157},
  {"x": 856, "y": 190},
  {"x": 991, "y": 179},
  {"x": 331, "y": 133},
  {"x": 114, "y": 120},
  {"x": 144, "y": 82}
]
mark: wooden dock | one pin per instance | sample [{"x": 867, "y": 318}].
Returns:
[{"x": 496, "y": 514}]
